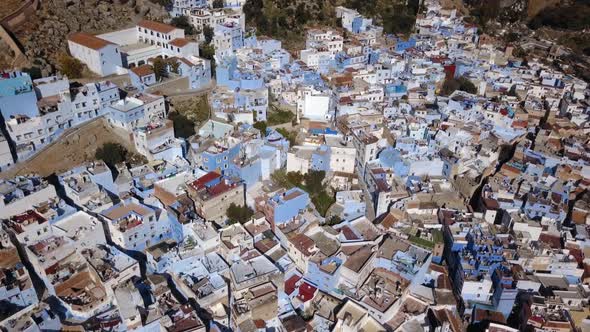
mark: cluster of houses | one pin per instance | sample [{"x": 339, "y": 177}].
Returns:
[{"x": 451, "y": 210}]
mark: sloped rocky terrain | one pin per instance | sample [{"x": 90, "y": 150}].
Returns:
[{"x": 44, "y": 35}]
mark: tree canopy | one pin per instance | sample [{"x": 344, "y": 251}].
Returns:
[
  {"x": 111, "y": 153},
  {"x": 241, "y": 214},
  {"x": 183, "y": 22},
  {"x": 461, "y": 83}
]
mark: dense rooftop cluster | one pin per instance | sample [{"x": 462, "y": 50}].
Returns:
[{"x": 432, "y": 183}]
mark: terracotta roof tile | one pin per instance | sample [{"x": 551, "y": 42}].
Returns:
[
  {"x": 143, "y": 70},
  {"x": 88, "y": 40},
  {"x": 179, "y": 42},
  {"x": 156, "y": 26}
]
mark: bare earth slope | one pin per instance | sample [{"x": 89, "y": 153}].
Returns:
[{"x": 74, "y": 148}]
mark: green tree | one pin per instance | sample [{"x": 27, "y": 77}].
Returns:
[
  {"x": 160, "y": 68},
  {"x": 261, "y": 125},
  {"x": 183, "y": 127},
  {"x": 183, "y": 22},
  {"x": 462, "y": 83},
  {"x": 208, "y": 34},
  {"x": 208, "y": 52},
  {"x": 322, "y": 201},
  {"x": 512, "y": 91},
  {"x": 296, "y": 179},
  {"x": 334, "y": 220},
  {"x": 111, "y": 153},
  {"x": 241, "y": 214},
  {"x": 173, "y": 66},
  {"x": 291, "y": 136},
  {"x": 314, "y": 181},
  {"x": 71, "y": 67},
  {"x": 466, "y": 85},
  {"x": 34, "y": 72},
  {"x": 218, "y": 4}
]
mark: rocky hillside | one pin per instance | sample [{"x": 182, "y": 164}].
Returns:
[
  {"x": 44, "y": 36},
  {"x": 287, "y": 20}
]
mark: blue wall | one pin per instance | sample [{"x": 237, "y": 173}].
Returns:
[{"x": 286, "y": 210}]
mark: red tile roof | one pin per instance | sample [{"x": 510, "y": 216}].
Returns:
[
  {"x": 220, "y": 188},
  {"x": 348, "y": 233},
  {"x": 203, "y": 180},
  {"x": 306, "y": 292},
  {"x": 303, "y": 243},
  {"x": 89, "y": 41},
  {"x": 290, "y": 284},
  {"x": 156, "y": 26},
  {"x": 143, "y": 70},
  {"x": 179, "y": 42}
]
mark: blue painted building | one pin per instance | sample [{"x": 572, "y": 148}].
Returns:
[
  {"x": 17, "y": 96},
  {"x": 228, "y": 74},
  {"x": 218, "y": 157},
  {"x": 403, "y": 45},
  {"x": 285, "y": 206},
  {"x": 320, "y": 159},
  {"x": 392, "y": 158}
]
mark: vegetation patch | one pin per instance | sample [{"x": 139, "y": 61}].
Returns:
[
  {"x": 114, "y": 153},
  {"x": 70, "y": 66},
  {"x": 461, "y": 83},
  {"x": 312, "y": 183},
  {"x": 287, "y": 20},
  {"x": 277, "y": 116},
  {"x": 570, "y": 17},
  {"x": 421, "y": 242},
  {"x": 239, "y": 214},
  {"x": 290, "y": 135}
]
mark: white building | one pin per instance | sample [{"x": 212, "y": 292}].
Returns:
[
  {"x": 180, "y": 7},
  {"x": 202, "y": 16},
  {"x": 5, "y": 154},
  {"x": 477, "y": 291},
  {"x": 137, "y": 111},
  {"x": 156, "y": 141},
  {"x": 135, "y": 226},
  {"x": 227, "y": 38},
  {"x": 328, "y": 40},
  {"x": 111, "y": 52},
  {"x": 20, "y": 194},
  {"x": 342, "y": 154},
  {"x": 101, "y": 56},
  {"x": 314, "y": 104}
]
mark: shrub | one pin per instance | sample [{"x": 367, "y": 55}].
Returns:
[
  {"x": 322, "y": 202},
  {"x": 111, "y": 153},
  {"x": 71, "y": 67},
  {"x": 183, "y": 127},
  {"x": 261, "y": 125},
  {"x": 279, "y": 116},
  {"x": 291, "y": 136},
  {"x": 208, "y": 34},
  {"x": 182, "y": 22},
  {"x": 450, "y": 85},
  {"x": 334, "y": 220},
  {"x": 241, "y": 214}
]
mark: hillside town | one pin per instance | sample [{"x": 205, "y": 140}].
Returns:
[{"x": 431, "y": 182}]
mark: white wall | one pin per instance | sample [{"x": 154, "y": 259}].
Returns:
[{"x": 316, "y": 107}]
